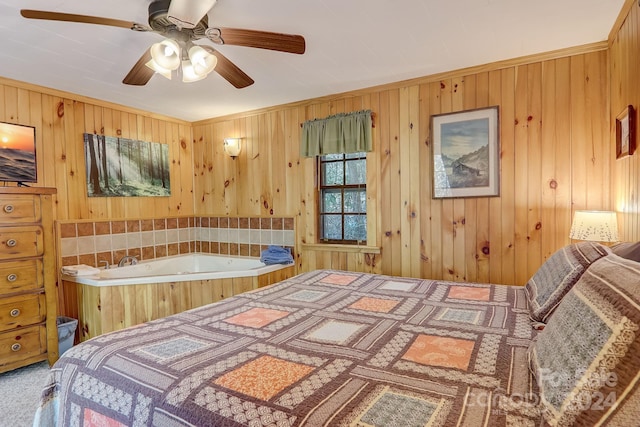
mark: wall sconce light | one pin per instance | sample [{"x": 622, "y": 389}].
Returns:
[
  {"x": 596, "y": 226},
  {"x": 232, "y": 147}
]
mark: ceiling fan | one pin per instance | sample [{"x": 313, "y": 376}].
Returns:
[{"x": 181, "y": 22}]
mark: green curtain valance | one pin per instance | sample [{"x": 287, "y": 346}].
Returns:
[{"x": 342, "y": 133}]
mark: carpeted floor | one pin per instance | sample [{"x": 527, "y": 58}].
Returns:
[{"x": 19, "y": 394}]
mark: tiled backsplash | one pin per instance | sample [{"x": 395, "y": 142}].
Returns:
[{"x": 96, "y": 242}]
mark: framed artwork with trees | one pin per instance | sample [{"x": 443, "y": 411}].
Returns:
[{"x": 118, "y": 167}]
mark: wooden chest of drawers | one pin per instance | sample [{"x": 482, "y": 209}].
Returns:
[{"x": 28, "y": 298}]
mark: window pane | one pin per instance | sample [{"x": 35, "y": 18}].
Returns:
[
  {"x": 332, "y": 227},
  {"x": 332, "y": 173},
  {"x": 331, "y": 201},
  {"x": 343, "y": 198},
  {"x": 356, "y": 171},
  {"x": 355, "y": 227},
  {"x": 355, "y": 201},
  {"x": 332, "y": 157}
]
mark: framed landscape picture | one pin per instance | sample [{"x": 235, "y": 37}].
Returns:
[{"x": 466, "y": 153}]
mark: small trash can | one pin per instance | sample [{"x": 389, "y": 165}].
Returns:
[{"x": 66, "y": 333}]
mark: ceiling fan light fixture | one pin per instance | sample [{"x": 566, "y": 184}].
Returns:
[
  {"x": 203, "y": 62},
  {"x": 189, "y": 73},
  {"x": 158, "y": 69},
  {"x": 181, "y": 22},
  {"x": 166, "y": 54}
]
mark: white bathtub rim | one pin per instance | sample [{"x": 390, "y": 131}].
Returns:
[
  {"x": 96, "y": 280},
  {"x": 183, "y": 264}
]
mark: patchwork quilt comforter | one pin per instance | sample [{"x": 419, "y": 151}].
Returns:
[{"x": 323, "y": 348}]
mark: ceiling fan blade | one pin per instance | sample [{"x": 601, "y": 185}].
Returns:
[
  {"x": 187, "y": 13},
  {"x": 290, "y": 43},
  {"x": 140, "y": 74},
  {"x": 71, "y": 17},
  {"x": 229, "y": 71}
]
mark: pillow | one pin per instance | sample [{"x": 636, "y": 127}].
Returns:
[
  {"x": 557, "y": 275},
  {"x": 587, "y": 359},
  {"x": 627, "y": 250}
]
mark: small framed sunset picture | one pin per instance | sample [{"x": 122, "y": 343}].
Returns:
[{"x": 17, "y": 153}]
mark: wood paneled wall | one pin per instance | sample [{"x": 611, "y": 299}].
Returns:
[
  {"x": 625, "y": 90},
  {"x": 555, "y": 115},
  {"x": 61, "y": 119},
  {"x": 555, "y": 151}
]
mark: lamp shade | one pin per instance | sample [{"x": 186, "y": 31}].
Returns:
[
  {"x": 166, "y": 54},
  {"x": 597, "y": 226},
  {"x": 158, "y": 69},
  {"x": 203, "y": 62},
  {"x": 189, "y": 73},
  {"x": 232, "y": 147}
]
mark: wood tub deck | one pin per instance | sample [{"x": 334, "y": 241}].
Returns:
[{"x": 101, "y": 309}]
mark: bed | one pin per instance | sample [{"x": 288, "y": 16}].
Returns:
[{"x": 341, "y": 348}]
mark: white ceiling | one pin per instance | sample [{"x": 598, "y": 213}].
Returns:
[{"x": 351, "y": 44}]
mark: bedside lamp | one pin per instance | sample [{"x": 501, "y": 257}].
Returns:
[{"x": 596, "y": 226}]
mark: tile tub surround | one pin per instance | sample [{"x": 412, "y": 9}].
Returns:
[{"x": 96, "y": 242}]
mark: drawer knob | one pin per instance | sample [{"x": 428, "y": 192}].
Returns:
[
  {"x": 12, "y": 277},
  {"x": 12, "y": 243},
  {"x": 16, "y": 346},
  {"x": 8, "y": 208},
  {"x": 15, "y": 312}
]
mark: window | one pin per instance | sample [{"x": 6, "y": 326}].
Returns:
[{"x": 343, "y": 198}]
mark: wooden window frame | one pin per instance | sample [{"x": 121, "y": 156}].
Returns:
[{"x": 321, "y": 187}]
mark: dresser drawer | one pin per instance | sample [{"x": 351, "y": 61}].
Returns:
[
  {"x": 21, "y": 310},
  {"x": 19, "y": 209},
  {"x": 20, "y": 242},
  {"x": 20, "y": 276},
  {"x": 22, "y": 343}
]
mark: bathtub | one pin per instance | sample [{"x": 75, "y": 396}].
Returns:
[
  {"x": 178, "y": 268},
  {"x": 122, "y": 297}
]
